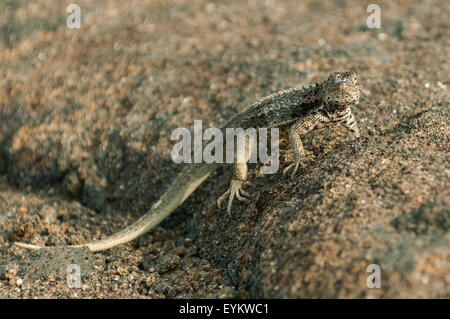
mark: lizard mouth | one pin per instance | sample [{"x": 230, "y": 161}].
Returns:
[
  {"x": 342, "y": 84},
  {"x": 339, "y": 81}
]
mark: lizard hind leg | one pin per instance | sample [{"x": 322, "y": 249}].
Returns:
[{"x": 240, "y": 173}]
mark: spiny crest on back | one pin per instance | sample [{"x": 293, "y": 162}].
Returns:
[{"x": 283, "y": 92}]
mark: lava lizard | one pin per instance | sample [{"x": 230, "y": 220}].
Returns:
[{"x": 302, "y": 109}]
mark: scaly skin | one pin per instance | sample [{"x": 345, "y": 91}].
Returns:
[{"x": 303, "y": 109}]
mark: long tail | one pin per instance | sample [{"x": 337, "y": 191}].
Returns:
[{"x": 183, "y": 186}]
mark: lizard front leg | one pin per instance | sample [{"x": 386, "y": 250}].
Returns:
[
  {"x": 350, "y": 124},
  {"x": 302, "y": 126}
]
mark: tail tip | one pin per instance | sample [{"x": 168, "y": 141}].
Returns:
[{"x": 27, "y": 246}]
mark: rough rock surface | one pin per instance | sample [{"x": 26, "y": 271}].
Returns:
[{"x": 86, "y": 116}]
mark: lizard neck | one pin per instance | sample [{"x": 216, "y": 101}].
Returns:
[
  {"x": 335, "y": 109},
  {"x": 336, "y": 114}
]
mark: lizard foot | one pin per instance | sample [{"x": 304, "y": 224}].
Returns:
[
  {"x": 295, "y": 165},
  {"x": 298, "y": 164},
  {"x": 236, "y": 190}
]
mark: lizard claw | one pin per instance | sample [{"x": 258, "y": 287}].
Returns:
[
  {"x": 306, "y": 157},
  {"x": 221, "y": 198},
  {"x": 235, "y": 190},
  {"x": 295, "y": 165}
]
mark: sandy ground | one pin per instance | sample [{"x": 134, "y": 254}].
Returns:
[{"x": 86, "y": 116}]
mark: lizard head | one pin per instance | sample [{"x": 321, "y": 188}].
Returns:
[{"x": 341, "y": 89}]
